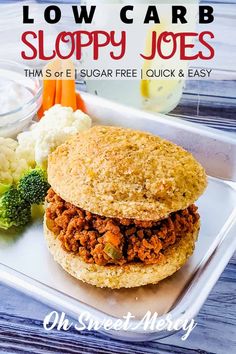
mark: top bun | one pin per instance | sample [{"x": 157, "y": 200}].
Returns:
[{"x": 124, "y": 173}]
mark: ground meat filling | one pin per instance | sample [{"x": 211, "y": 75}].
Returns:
[{"x": 101, "y": 240}]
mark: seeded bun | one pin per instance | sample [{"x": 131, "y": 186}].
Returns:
[
  {"x": 123, "y": 173},
  {"x": 126, "y": 276}
]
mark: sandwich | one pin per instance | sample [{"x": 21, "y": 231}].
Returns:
[{"x": 120, "y": 211}]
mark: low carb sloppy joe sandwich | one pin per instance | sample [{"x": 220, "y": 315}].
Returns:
[{"x": 120, "y": 211}]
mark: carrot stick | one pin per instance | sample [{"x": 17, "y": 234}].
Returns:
[
  {"x": 68, "y": 97},
  {"x": 61, "y": 91},
  {"x": 49, "y": 87},
  {"x": 40, "y": 112},
  {"x": 58, "y": 91},
  {"x": 80, "y": 103},
  {"x": 48, "y": 93}
]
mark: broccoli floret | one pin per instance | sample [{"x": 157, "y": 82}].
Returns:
[
  {"x": 14, "y": 211},
  {"x": 4, "y": 188},
  {"x": 33, "y": 186}
]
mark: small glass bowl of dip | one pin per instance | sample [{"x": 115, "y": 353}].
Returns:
[{"x": 20, "y": 98}]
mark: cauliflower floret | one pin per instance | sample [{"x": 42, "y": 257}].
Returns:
[
  {"x": 57, "y": 125},
  {"x": 12, "y": 166},
  {"x": 25, "y": 148}
]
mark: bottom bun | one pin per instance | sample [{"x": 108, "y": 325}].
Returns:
[{"x": 126, "y": 276}]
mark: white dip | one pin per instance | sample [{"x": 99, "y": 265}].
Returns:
[{"x": 12, "y": 96}]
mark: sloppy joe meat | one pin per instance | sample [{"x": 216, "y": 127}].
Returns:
[{"x": 104, "y": 241}]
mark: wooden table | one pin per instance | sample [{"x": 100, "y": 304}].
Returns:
[{"x": 21, "y": 329}]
